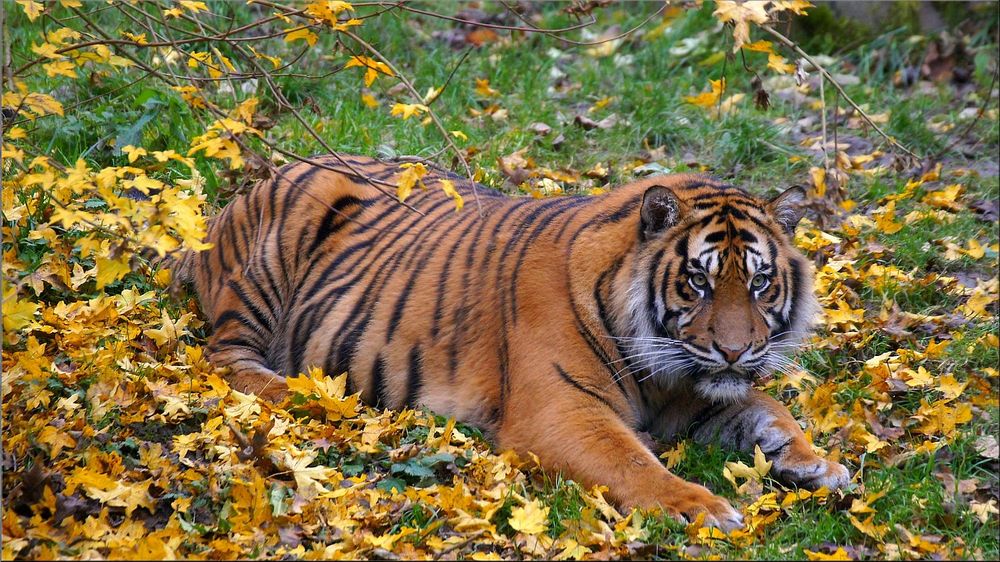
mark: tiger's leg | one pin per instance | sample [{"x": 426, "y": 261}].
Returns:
[
  {"x": 762, "y": 420},
  {"x": 237, "y": 343},
  {"x": 591, "y": 443}
]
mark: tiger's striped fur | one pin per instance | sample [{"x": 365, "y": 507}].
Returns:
[{"x": 562, "y": 326}]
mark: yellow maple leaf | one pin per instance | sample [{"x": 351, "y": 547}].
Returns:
[
  {"x": 885, "y": 219},
  {"x": 950, "y": 387},
  {"x": 372, "y": 67},
  {"x": 844, "y": 315},
  {"x": 974, "y": 249},
  {"x": 918, "y": 378},
  {"x": 984, "y": 510},
  {"x": 674, "y": 455},
  {"x": 797, "y": 7},
  {"x": 936, "y": 349},
  {"x": 47, "y": 50},
  {"x": 56, "y": 439},
  {"x": 407, "y": 110},
  {"x": 308, "y": 479},
  {"x": 869, "y": 528},
  {"x": 134, "y": 153},
  {"x": 301, "y": 34},
  {"x": 245, "y": 406},
  {"x": 761, "y": 46},
  {"x": 839, "y": 554},
  {"x": 449, "y": 189},
  {"x": 88, "y": 478},
  {"x": 572, "y": 550},
  {"x": 17, "y": 314},
  {"x": 193, "y": 6},
  {"x": 706, "y": 100},
  {"x": 60, "y": 68},
  {"x": 31, "y": 8},
  {"x": 531, "y": 518},
  {"x": 779, "y": 65},
  {"x": 756, "y": 473},
  {"x": 741, "y": 14},
  {"x": 411, "y": 176},
  {"x": 872, "y": 443},
  {"x": 110, "y": 270},
  {"x": 944, "y": 198},
  {"x": 483, "y": 88},
  {"x": 166, "y": 335}
]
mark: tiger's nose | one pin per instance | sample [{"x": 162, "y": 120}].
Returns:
[{"x": 730, "y": 354}]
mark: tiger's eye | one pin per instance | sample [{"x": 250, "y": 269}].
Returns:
[
  {"x": 758, "y": 281},
  {"x": 699, "y": 279}
]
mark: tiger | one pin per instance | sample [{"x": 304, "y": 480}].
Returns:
[{"x": 571, "y": 327}]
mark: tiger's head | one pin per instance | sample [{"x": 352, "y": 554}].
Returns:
[{"x": 719, "y": 294}]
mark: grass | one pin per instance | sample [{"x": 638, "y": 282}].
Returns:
[{"x": 644, "y": 81}]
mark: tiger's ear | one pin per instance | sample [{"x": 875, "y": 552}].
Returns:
[
  {"x": 660, "y": 210},
  {"x": 788, "y": 207}
]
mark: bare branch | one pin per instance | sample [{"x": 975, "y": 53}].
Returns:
[{"x": 792, "y": 45}]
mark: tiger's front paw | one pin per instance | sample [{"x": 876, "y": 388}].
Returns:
[
  {"x": 718, "y": 513},
  {"x": 813, "y": 472}
]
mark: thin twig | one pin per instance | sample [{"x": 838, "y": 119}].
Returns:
[
  {"x": 792, "y": 45},
  {"x": 979, "y": 115},
  {"x": 450, "y": 76},
  {"x": 836, "y": 117},
  {"x": 437, "y": 122},
  {"x": 531, "y": 29},
  {"x": 458, "y": 545},
  {"x": 822, "y": 118},
  {"x": 584, "y": 43}
]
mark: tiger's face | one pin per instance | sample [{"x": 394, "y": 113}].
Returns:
[{"x": 719, "y": 294}]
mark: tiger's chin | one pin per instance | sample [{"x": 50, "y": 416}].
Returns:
[{"x": 724, "y": 387}]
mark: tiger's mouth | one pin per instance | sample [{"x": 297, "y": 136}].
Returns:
[
  {"x": 730, "y": 374},
  {"x": 724, "y": 385}
]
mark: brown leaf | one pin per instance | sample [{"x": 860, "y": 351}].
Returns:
[
  {"x": 540, "y": 128},
  {"x": 290, "y": 536},
  {"x": 987, "y": 210},
  {"x": 481, "y": 36},
  {"x": 880, "y": 431},
  {"x": 986, "y": 446},
  {"x": 404, "y": 453},
  {"x": 516, "y": 166},
  {"x": 589, "y": 124},
  {"x": 254, "y": 449}
]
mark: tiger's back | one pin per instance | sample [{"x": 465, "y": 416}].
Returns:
[{"x": 318, "y": 268}]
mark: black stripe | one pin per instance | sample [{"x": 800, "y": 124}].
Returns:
[
  {"x": 443, "y": 278},
  {"x": 607, "y": 277},
  {"x": 415, "y": 379},
  {"x": 425, "y": 246},
  {"x": 378, "y": 383},
  {"x": 747, "y": 236},
  {"x": 714, "y": 238},
  {"x": 567, "y": 204},
  {"x": 256, "y": 312},
  {"x": 706, "y": 414},
  {"x": 575, "y": 384},
  {"x": 327, "y": 225}
]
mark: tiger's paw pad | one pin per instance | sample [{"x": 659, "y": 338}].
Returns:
[{"x": 816, "y": 473}]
